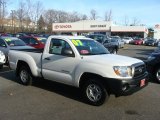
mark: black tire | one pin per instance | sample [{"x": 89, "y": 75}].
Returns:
[
  {"x": 94, "y": 92},
  {"x": 1, "y": 66},
  {"x": 114, "y": 51},
  {"x": 157, "y": 74},
  {"x": 25, "y": 75}
]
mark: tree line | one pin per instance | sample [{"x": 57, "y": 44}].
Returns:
[{"x": 32, "y": 12}]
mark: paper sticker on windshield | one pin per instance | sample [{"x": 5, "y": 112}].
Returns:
[
  {"x": 83, "y": 52},
  {"x": 77, "y": 42}
]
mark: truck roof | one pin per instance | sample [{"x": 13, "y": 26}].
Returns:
[{"x": 68, "y": 37}]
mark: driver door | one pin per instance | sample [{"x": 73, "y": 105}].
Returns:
[{"x": 57, "y": 66}]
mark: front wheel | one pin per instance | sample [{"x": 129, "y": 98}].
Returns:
[
  {"x": 25, "y": 75},
  {"x": 157, "y": 74},
  {"x": 94, "y": 92}
]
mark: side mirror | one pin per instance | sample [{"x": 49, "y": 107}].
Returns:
[{"x": 68, "y": 52}]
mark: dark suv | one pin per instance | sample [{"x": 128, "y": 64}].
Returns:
[
  {"x": 153, "y": 66},
  {"x": 104, "y": 40}
]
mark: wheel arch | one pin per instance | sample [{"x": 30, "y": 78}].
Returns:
[
  {"x": 19, "y": 64},
  {"x": 86, "y": 76}
]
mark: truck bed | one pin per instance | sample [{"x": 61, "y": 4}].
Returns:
[{"x": 30, "y": 50}]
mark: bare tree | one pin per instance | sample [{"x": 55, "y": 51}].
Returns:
[
  {"x": 21, "y": 14},
  {"x": 84, "y": 17},
  {"x": 34, "y": 10},
  {"x": 50, "y": 16},
  {"x": 126, "y": 21},
  {"x": 93, "y": 14},
  {"x": 135, "y": 22},
  {"x": 73, "y": 17},
  {"x": 3, "y": 4},
  {"x": 108, "y": 15},
  {"x": 38, "y": 6}
]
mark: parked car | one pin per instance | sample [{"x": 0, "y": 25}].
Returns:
[
  {"x": 98, "y": 37},
  {"x": 127, "y": 40},
  {"x": 153, "y": 66},
  {"x": 117, "y": 42},
  {"x": 151, "y": 42},
  {"x": 2, "y": 59},
  {"x": 137, "y": 41},
  {"x": 7, "y": 43},
  {"x": 112, "y": 48},
  {"x": 82, "y": 63},
  {"x": 36, "y": 42},
  {"x": 104, "y": 40}
]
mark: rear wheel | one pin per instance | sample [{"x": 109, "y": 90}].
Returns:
[
  {"x": 1, "y": 66},
  {"x": 94, "y": 92},
  {"x": 114, "y": 51},
  {"x": 25, "y": 75},
  {"x": 157, "y": 74}
]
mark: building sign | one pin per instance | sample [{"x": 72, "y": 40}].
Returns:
[
  {"x": 97, "y": 26},
  {"x": 81, "y": 26},
  {"x": 62, "y": 26}
]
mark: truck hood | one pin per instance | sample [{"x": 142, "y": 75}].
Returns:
[{"x": 111, "y": 59}]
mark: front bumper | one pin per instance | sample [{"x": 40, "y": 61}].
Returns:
[{"x": 127, "y": 87}]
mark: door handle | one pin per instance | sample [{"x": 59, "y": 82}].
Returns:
[{"x": 47, "y": 58}]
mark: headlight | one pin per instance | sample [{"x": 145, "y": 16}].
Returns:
[
  {"x": 123, "y": 71},
  {"x": 1, "y": 53}
]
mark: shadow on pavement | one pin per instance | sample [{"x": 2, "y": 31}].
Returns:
[{"x": 64, "y": 90}]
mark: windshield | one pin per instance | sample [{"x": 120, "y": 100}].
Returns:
[
  {"x": 114, "y": 40},
  {"x": 89, "y": 47},
  {"x": 126, "y": 38},
  {"x": 16, "y": 42},
  {"x": 150, "y": 40},
  {"x": 43, "y": 40}
]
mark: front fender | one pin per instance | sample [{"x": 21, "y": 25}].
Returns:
[{"x": 104, "y": 71}]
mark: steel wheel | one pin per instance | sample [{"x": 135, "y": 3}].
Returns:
[
  {"x": 94, "y": 92},
  {"x": 158, "y": 75},
  {"x": 25, "y": 75}
]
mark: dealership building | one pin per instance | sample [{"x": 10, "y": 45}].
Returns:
[
  {"x": 103, "y": 27},
  {"x": 157, "y": 31}
]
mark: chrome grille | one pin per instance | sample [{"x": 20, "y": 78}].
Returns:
[{"x": 139, "y": 70}]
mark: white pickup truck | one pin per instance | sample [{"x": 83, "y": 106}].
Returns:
[{"x": 83, "y": 63}]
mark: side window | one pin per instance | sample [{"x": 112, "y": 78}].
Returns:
[
  {"x": 26, "y": 40},
  {"x": 33, "y": 41},
  {"x": 58, "y": 47},
  {"x": 107, "y": 41},
  {"x": 2, "y": 43}
]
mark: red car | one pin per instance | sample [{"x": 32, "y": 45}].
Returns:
[
  {"x": 137, "y": 42},
  {"x": 36, "y": 42}
]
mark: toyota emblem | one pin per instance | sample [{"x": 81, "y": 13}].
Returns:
[{"x": 140, "y": 69}]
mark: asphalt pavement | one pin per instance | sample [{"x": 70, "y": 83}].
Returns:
[{"x": 47, "y": 100}]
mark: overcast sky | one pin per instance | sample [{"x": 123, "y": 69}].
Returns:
[{"x": 146, "y": 11}]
